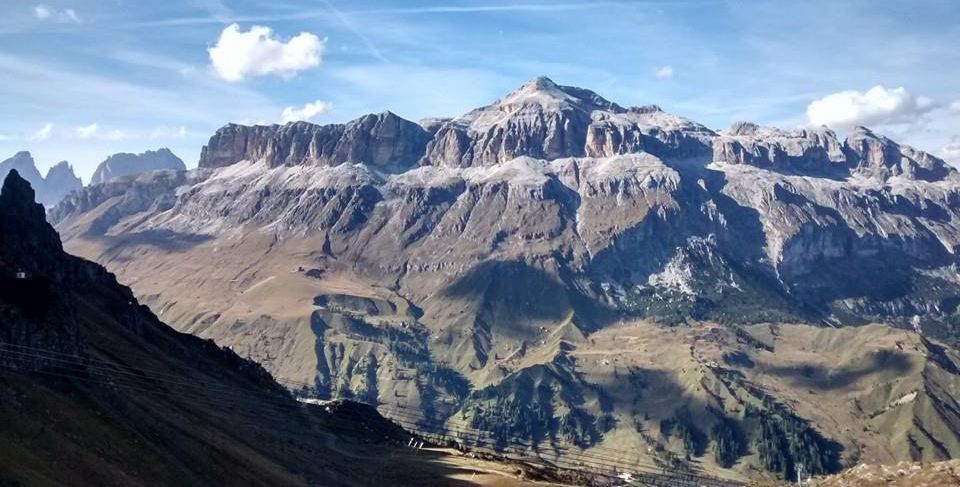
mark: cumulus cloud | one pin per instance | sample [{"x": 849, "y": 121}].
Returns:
[
  {"x": 955, "y": 106},
  {"x": 305, "y": 113},
  {"x": 663, "y": 72},
  {"x": 877, "y": 106},
  {"x": 43, "y": 134},
  {"x": 45, "y": 13},
  {"x": 87, "y": 131},
  {"x": 257, "y": 52}
]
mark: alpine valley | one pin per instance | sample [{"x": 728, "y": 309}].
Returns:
[{"x": 568, "y": 274}]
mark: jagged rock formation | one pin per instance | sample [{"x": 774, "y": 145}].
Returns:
[
  {"x": 59, "y": 182},
  {"x": 509, "y": 240},
  {"x": 547, "y": 121},
  {"x": 383, "y": 141},
  {"x": 25, "y": 166},
  {"x": 125, "y": 164},
  {"x": 815, "y": 151}
]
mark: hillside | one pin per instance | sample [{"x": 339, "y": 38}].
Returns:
[
  {"x": 566, "y": 273},
  {"x": 95, "y": 390},
  {"x": 904, "y": 474}
]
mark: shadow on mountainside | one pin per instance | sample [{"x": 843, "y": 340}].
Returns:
[
  {"x": 167, "y": 240},
  {"x": 841, "y": 263},
  {"x": 885, "y": 362}
]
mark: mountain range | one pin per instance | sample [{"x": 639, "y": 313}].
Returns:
[
  {"x": 567, "y": 273},
  {"x": 61, "y": 180}
]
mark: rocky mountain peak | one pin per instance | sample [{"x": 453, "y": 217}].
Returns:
[
  {"x": 62, "y": 173},
  {"x": 125, "y": 164},
  {"x": 544, "y": 120},
  {"x": 24, "y": 230},
  {"x": 59, "y": 182},
  {"x": 61, "y": 167},
  {"x": 22, "y": 156},
  {"x": 742, "y": 128},
  {"x": 541, "y": 93},
  {"x": 23, "y": 162},
  {"x": 874, "y": 155},
  {"x": 645, "y": 109}
]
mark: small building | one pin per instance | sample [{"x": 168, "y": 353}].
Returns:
[{"x": 21, "y": 275}]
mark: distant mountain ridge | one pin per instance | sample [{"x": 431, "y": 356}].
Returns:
[
  {"x": 59, "y": 182},
  {"x": 548, "y": 121},
  {"x": 125, "y": 164}
]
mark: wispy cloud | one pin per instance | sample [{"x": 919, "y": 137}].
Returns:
[
  {"x": 508, "y": 7},
  {"x": 345, "y": 20},
  {"x": 45, "y": 13},
  {"x": 663, "y": 72},
  {"x": 93, "y": 131},
  {"x": 56, "y": 86},
  {"x": 86, "y": 131},
  {"x": 951, "y": 151},
  {"x": 43, "y": 134},
  {"x": 168, "y": 133}
]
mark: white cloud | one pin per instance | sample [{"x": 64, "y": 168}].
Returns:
[
  {"x": 878, "y": 106},
  {"x": 955, "y": 106},
  {"x": 169, "y": 133},
  {"x": 257, "y": 52},
  {"x": 44, "y": 133},
  {"x": 87, "y": 131},
  {"x": 45, "y": 13},
  {"x": 93, "y": 131},
  {"x": 42, "y": 12},
  {"x": 115, "y": 134},
  {"x": 304, "y": 113},
  {"x": 664, "y": 72},
  {"x": 951, "y": 151}
]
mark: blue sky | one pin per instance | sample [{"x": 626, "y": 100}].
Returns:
[{"x": 142, "y": 72}]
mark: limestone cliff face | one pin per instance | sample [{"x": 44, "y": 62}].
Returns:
[
  {"x": 875, "y": 155},
  {"x": 384, "y": 141},
  {"x": 815, "y": 151}
]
